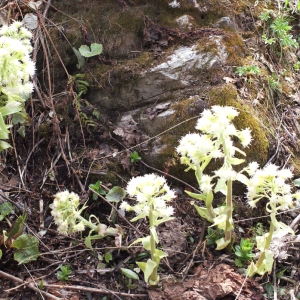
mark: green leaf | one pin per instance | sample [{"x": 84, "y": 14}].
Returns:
[
  {"x": 134, "y": 157},
  {"x": 17, "y": 228},
  {"x": 297, "y": 181},
  {"x": 234, "y": 160},
  {"x": 63, "y": 275},
  {"x": 80, "y": 58},
  {"x": 238, "y": 262},
  {"x": 147, "y": 268},
  {"x": 116, "y": 194},
  {"x": 10, "y": 108},
  {"x": 221, "y": 244},
  {"x": 28, "y": 248},
  {"x": 160, "y": 254},
  {"x": 4, "y": 132},
  {"x": 129, "y": 273},
  {"x": 5, "y": 209},
  {"x": 0, "y": 253},
  {"x": 197, "y": 196},
  {"x": 108, "y": 257},
  {"x": 145, "y": 241},
  {"x": 204, "y": 213},
  {"x": 4, "y": 145},
  {"x": 154, "y": 234},
  {"x": 21, "y": 131},
  {"x": 19, "y": 117},
  {"x": 86, "y": 51}
]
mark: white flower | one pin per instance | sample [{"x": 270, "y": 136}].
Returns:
[
  {"x": 152, "y": 193},
  {"x": 252, "y": 167},
  {"x": 205, "y": 184},
  {"x": 195, "y": 147},
  {"x": 245, "y": 137},
  {"x": 78, "y": 227},
  {"x": 125, "y": 206},
  {"x": 269, "y": 183},
  {"x": 65, "y": 212},
  {"x": 16, "y": 67}
]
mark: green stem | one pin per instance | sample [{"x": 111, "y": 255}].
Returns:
[
  {"x": 228, "y": 228},
  {"x": 267, "y": 245},
  {"x": 154, "y": 276},
  {"x": 88, "y": 224}
]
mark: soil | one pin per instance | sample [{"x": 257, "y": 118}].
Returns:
[{"x": 70, "y": 146}]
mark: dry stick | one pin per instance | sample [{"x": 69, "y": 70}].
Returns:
[
  {"x": 30, "y": 285},
  {"x": 295, "y": 222},
  {"x": 93, "y": 290},
  {"x": 117, "y": 212}
]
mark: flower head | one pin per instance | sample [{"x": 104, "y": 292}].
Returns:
[
  {"x": 269, "y": 183},
  {"x": 65, "y": 212},
  {"x": 16, "y": 66},
  {"x": 151, "y": 193}
]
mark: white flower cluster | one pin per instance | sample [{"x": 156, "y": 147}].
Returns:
[
  {"x": 217, "y": 130},
  {"x": 16, "y": 66},
  {"x": 270, "y": 183},
  {"x": 152, "y": 194},
  {"x": 65, "y": 212}
]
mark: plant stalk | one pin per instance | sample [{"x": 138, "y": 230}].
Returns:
[
  {"x": 228, "y": 229},
  {"x": 153, "y": 276}
]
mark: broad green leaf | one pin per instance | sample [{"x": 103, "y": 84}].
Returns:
[
  {"x": 154, "y": 234},
  {"x": 80, "y": 58},
  {"x": 281, "y": 228},
  {"x": 10, "y": 108},
  {"x": 251, "y": 269},
  {"x": 116, "y": 194},
  {"x": 234, "y": 161},
  {"x": 221, "y": 244},
  {"x": 86, "y": 51},
  {"x": 4, "y": 132},
  {"x": 20, "y": 117},
  {"x": 145, "y": 241},
  {"x": 197, "y": 196},
  {"x": 147, "y": 268},
  {"x": 5, "y": 209},
  {"x": 204, "y": 213},
  {"x": 129, "y": 273},
  {"x": 267, "y": 264},
  {"x": 21, "y": 131},
  {"x": 163, "y": 220},
  {"x": 220, "y": 221},
  {"x": 238, "y": 262},
  {"x": 160, "y": 254},
  {"x": 4, "y": 145},
  {"x": 28, "y": 248},
  {"x": 108, "y": 257},
  {"x": 16, "y": 230}
]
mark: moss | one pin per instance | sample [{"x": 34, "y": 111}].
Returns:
[
  {"x": 226, "y": 95},
  {"x": 234, "y": 48},
  {"x": 111, "y": 76}
]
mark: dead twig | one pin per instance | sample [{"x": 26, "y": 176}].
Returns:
[
  {"x": 93, "y": 290},
  {"x": 30, "y": 284}
]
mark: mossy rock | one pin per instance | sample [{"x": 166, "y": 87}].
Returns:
[{"x": 163, "y": 154}]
